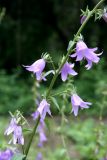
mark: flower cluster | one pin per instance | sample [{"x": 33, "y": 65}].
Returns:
[
  {"x": 16, "y": 131},
  {"x": 82, "y": 53}
]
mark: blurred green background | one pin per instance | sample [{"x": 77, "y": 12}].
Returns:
[{"x": 30, "y": 28}]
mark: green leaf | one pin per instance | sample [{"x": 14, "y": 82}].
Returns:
[
  {"x": 55, "y": 103},
  {"x": 27, "y": 130},
  {"x": 18, "y": 157}
]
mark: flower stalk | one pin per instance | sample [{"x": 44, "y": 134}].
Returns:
[{"x": 71, "y": 49}]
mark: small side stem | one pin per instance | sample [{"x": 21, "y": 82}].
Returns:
[{"x": 31, "y": 138}]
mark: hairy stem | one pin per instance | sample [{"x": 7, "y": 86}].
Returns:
[{"x": 59, "y": 69}]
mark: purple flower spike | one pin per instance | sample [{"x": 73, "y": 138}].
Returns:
[
  {"x": 77, "y": 102},
  {"x": 105, "y": 17},
  {"x": 83, "y": 52},
  {"x": 66, "y": 70},
  {"x": 39, "y": 156},
  {"x": 37, "y": 68},
  {"x": 83, "y": 19},
  {"x": 6, "y": 155}
]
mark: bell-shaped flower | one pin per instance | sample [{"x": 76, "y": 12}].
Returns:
[
  {"x": 77, "y": 102},
  {"x": 83, "y": 52},
  {"x": 83, "y": 18},
  {"x": 11, "y": 127},
  {"x": 66, "y": 70},
  {"x": 105, "y": 17},
  {"x": 16, "y": 132},
  {"x": 37, "y": 68},
  {"x": 39, "y": 156},
  {"x": 42, "y": 110},
  {"x": 6, "y": 155},
  {"x": 18, "y": 136}
]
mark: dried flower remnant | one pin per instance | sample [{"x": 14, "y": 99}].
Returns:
[
  {"x": 77, "y": 102},
  {"x": 37, "y": 68},
  {"x": 83, "y": 52},
  {"x": 66, "y": 70}
]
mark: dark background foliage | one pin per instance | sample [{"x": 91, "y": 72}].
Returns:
[{"x": 30, "y": 28}]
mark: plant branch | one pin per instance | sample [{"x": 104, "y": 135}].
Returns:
[{"x": 59, "y": 69}]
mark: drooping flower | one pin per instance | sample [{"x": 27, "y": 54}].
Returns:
[
  {"x": 41, "y": 131},
  {"x": 11, "y": 127},
  {"x": 16, "y": 132},
  {"x": 77, "y": 102},
  {"x": 6, "y": 155},
  {"x": 18, "y": 136},
  {"x": 37, "y": 68},
  {"x": 66, "y": 70},
  {"x": 105, "y": 16},
  {"x": 83, "y": 19},
  {"x": 83, "y": 52},
  {"x": 42, "y": 109},
  {"x": 39, "y": 156}
]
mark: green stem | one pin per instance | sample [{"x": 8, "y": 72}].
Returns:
[
  {"x": 31, "y": 138},
  {"x": 70, "y": 50},
  {"x": 60, "y": 67}
]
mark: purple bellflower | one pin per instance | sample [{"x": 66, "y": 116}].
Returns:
[
  {"x": 66, "y": 70},
  {"x": 83, "y": 52},
  {"x": 42, "y": 136},
  {"x": 11, "y": 127},
  {"x": 105, "y": 17},
  {"x": 42, "y": 109},
  {"x": 39, "y": 156},
  {"x": 37, "y": 68},
  {"x": 77, "y": 102},
  {"x": 6, "y": 155},
  {"x": 83, "y": 19},
  {"x": 18, "y": 136},
  {"x": 16, "y": 132}
]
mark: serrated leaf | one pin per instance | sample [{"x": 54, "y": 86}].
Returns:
[
  {"x": 55, "y": 102},
  {"x": 18, "y": 157}
]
